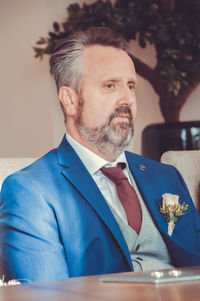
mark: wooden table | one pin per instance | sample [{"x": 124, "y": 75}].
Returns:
[{"x": 90, "y": 289}]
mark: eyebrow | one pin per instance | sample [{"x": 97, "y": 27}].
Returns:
[{"x": 117, "y": 79}]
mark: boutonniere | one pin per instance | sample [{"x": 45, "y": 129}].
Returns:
[{"x": 171, "y": 209}]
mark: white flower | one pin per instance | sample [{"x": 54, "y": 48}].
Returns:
[
  {"x": 171, "y": 209},
  {"x": 169, "y": 199}
]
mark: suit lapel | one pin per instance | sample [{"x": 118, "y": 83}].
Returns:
[
  {"x": 75, "y": 172},
  {"x": 148, "y": 189}
]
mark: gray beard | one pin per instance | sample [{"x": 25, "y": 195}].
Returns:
[{"x": 109, "y": 139}]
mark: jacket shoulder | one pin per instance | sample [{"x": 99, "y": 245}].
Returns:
[
  {"x": 36, "y": 170},
  {"x": 140, "y": 160}
]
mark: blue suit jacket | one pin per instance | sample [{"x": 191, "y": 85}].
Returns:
[{"x": 55, "y": 223}]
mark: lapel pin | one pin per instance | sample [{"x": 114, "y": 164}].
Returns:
[{"x": 142, "y": 167}]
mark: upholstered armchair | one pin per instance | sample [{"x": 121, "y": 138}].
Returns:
[{"x": 188, "y": 163}]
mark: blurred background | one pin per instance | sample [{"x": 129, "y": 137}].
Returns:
[{"x": 31, "y": 121}]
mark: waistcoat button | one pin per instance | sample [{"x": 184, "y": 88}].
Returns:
[{"x": 137, "y": 248}]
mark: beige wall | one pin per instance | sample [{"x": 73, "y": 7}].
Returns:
[{"x": 31, "y": 122}]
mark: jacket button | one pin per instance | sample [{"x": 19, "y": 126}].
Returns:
[{"x": 137, "y": 248}]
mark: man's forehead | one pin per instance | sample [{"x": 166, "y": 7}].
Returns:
[
  {"x": 97, "y": 50},
  {"x": 104, "y": 56}
]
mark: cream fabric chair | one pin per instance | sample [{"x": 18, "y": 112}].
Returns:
[
  {"x": 10, "y": 165},
  {"x": 188, "y": 163}
]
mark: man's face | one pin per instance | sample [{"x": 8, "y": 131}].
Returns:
[{"x": 107, "y": 104}]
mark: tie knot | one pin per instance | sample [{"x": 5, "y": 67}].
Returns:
[{"x": 115, "y": 174}]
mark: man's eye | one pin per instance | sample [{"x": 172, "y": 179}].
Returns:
[
  {"x": 110, "y": 85},
  {"x": 131, "y": 87}
]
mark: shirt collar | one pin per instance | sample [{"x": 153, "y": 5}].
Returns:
[{"x": 92, "y": 161}]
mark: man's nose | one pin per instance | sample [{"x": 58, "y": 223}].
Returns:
[{"x": 126, "y": 96}]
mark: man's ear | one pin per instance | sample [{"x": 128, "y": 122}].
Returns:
[{"x": 69, "y": 99}]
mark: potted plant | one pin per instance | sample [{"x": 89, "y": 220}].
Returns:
[{"x": 173, "y": 27}]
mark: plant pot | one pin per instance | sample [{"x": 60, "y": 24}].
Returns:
[{"x": 161, "y": 137}]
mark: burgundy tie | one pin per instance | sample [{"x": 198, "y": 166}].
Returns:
[{"x": 126, "y": 194}]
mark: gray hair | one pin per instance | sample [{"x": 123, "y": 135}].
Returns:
[{"x": 66, "y": 64}]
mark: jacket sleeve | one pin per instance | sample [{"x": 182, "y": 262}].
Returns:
[{"x": 31, "y": 249}]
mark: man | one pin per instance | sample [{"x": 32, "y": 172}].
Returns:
[{"x": 63, "y": 216}]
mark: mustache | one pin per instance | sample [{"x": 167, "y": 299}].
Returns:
[{"x": 121, "y": 110}]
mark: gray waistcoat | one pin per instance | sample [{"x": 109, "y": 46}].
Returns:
[{"x": 148, "y": 250}]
